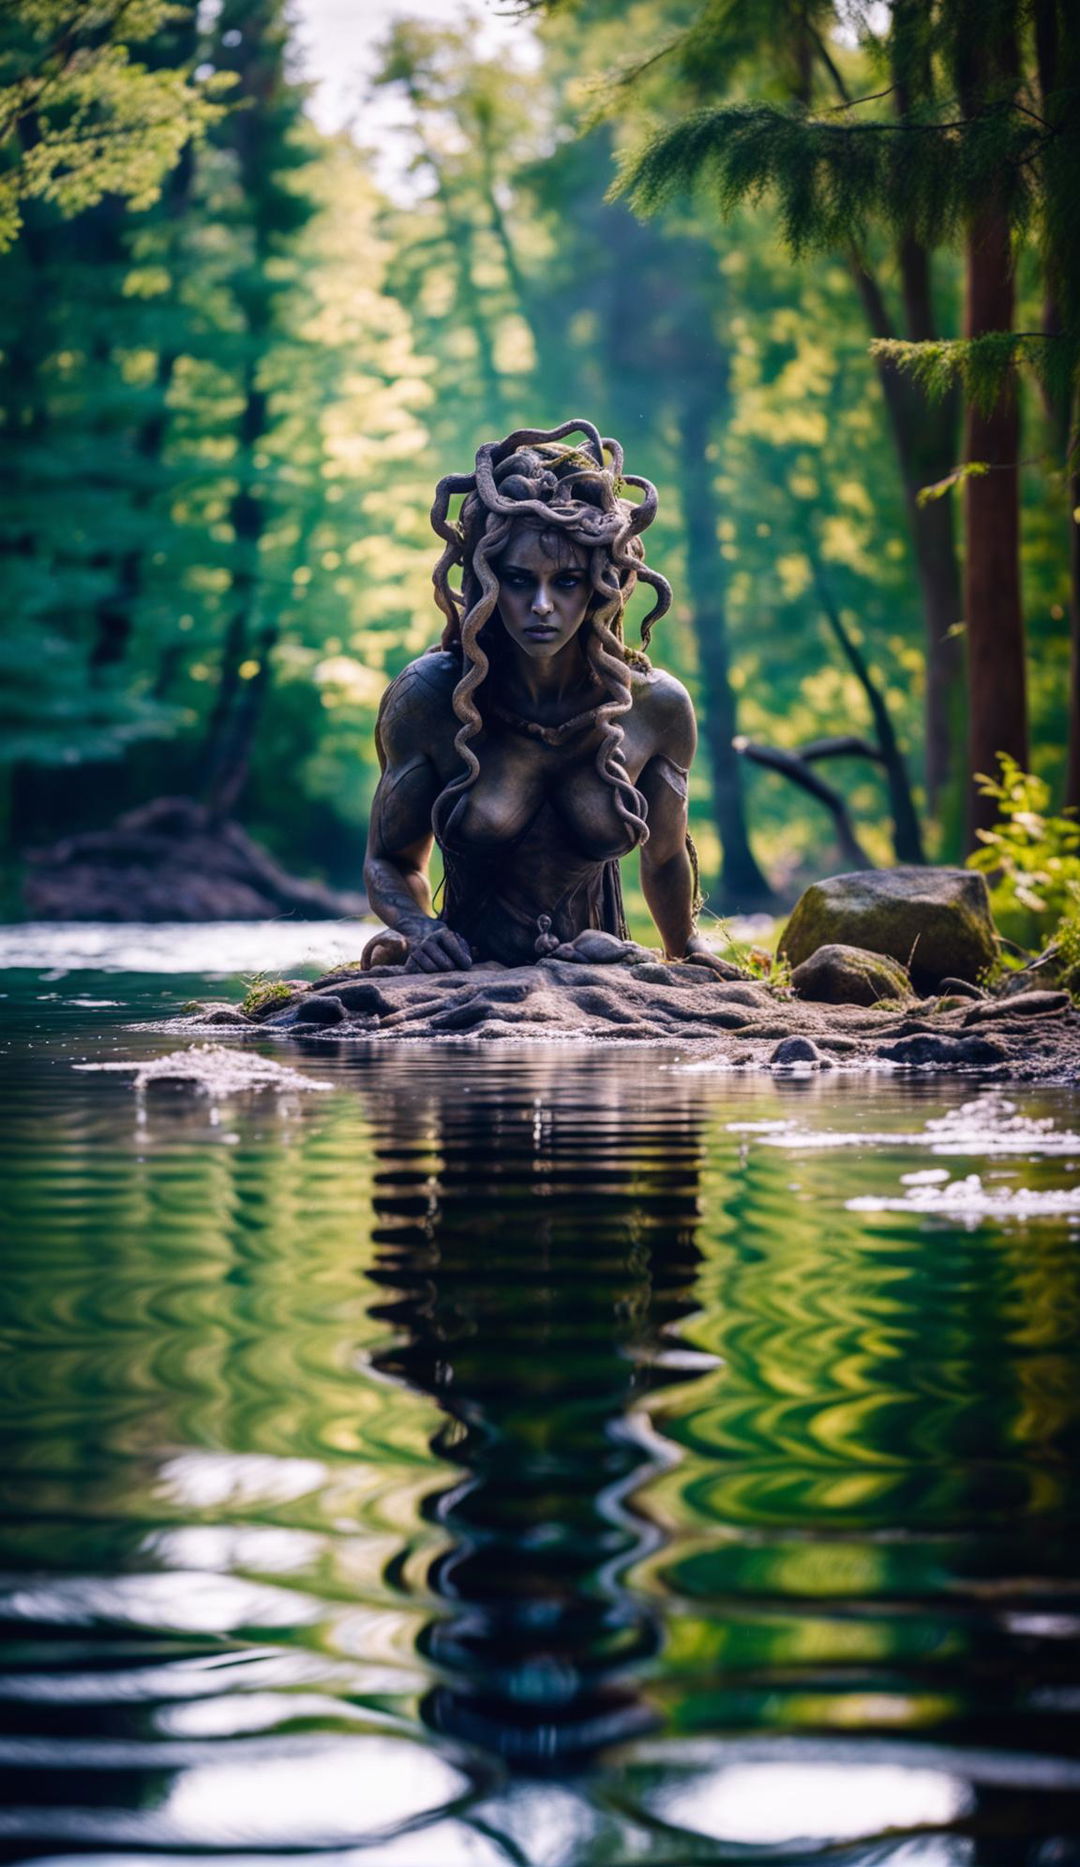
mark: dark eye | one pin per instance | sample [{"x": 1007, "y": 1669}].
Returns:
[
  {"x": 569, "y": 580},
  {"x": 515, "y": 578}
]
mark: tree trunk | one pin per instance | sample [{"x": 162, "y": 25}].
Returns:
[
  {"x": 743, "y": 886},
  {"x": 924, "y": 434},
  {"x": 1072, "y": 780},
  {"x": 247, "y": 517},
  {"x": 924, "y": 438},
  {"x": 987, "y": 68},
  {"x": 997, "y": 679},
  {"x": 114, "y": 615},
  {"x": 251, "y": 42},
  {"x": 1063, "y": 410},
  {"x": 240, "y": 728}
]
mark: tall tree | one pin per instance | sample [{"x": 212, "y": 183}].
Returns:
[
  {"x": 786, "y": 48},
  {"x": 1057, "y": 50},
  {"x": 463, "y": 114},
  {"x": 78, "y": 337},
  {"x": 985, "y": 56},
  {"x": 266, "y": 139},
  {"x": 968, "y": 156}
]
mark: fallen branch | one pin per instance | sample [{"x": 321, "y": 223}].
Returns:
[
  {"x": 793, "y": 765},
  {"x": 843, "y": 745},
  {"x": 907, "y": 835}
]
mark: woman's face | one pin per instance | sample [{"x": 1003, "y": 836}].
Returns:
[{"x": 544, "y": 591}]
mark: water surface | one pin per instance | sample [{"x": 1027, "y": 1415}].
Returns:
[{"x": 531, "y": 1455}]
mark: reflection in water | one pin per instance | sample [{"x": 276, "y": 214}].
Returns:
[
  {"x": 533, "y": 1276},
  {"x": 371, "y": 1462}
]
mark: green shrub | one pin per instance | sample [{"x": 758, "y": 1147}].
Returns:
[
  {"x": 1068, "y": 943},
  {"x": 1031, "y": 858}
]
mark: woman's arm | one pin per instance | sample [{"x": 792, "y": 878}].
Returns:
[
  {"x": 399, "y": 836},
  {"x": 667, "y": 874}
]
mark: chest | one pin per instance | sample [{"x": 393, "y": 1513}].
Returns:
[{"x": 523, "y": 780}]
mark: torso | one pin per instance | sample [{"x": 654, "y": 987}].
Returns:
[{"x": 538, "y": 832}]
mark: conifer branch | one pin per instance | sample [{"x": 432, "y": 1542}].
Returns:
[
  {"x": 832, "y": 179},
  {"x": 983, "y": 365},
  {"x": 853, "y": 103}
]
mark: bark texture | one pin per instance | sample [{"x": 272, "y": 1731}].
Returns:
[{"x": 743, "y": 886}]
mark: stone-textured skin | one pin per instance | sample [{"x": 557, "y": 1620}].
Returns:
[
  {"x": 729, "y": 1022},
  {"x": 936, "y": 922},
  {"x": 849, "y": 975}
]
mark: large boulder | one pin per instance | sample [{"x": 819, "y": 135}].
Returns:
[
  {"x": 935, "y": 922},
  {"x": 849, "y": 975}
]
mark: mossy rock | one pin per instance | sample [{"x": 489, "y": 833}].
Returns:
[
  {"x": 849, "y": 975},
  {"x": 264, "y": 997},
  {"x": 935, "y": 922}
]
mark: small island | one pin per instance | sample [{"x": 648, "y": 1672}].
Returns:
[
  {"x": 831, "y": 999},
  {"x": 535, "y": 747}
]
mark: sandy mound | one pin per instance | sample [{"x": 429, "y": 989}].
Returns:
[{"x": 1034, "y": 1035}]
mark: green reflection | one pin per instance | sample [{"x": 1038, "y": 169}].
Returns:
[
  {"x": 879, "y": 1474},
  {"x": 517, "y": 1399}
]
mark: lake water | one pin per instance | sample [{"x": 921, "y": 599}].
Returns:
[{"x": 543, "y": 1456}]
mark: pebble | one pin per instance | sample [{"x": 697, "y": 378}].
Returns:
[
  {"x": 320, "y": 1008},
  {"x": 792, "y": 1050}
]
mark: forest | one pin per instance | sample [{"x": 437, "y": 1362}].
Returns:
[{"x": 814, "y": 263}]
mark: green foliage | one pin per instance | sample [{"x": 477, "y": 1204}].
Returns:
[
  {"x": 80, "y": 117},
  {"x": 983, "y": 365},
  {"x": 262, "y": 993},
  {"x": 759, "y": 962},
  {"x": 833, "y": 179},
  {"x": 1067, "y": 940},
  {"x": 1032, "y": 856},
  {"x": 223, "y": 414},
  {"x": 958, "y": 131}
]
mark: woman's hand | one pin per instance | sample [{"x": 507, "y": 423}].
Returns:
[{"x": 435, "y": 947}]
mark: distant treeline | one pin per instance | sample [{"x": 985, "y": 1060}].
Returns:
[{"x": 232, "y": 367}]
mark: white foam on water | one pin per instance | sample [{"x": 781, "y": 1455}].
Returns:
[
  {"x": 214, "y": 1071},
  {"x": 969, "y": 1199},
  {"x": 989, "y": 1125}
]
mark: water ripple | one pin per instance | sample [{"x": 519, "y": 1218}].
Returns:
[{"x": 369, "y": 1465}]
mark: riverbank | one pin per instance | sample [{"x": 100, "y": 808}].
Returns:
[{"x": 1029, "y": 1036}]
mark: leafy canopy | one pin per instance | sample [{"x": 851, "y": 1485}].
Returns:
[{"x": 80, "y": 117}]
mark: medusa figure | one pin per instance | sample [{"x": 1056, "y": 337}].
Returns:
[{"x": 532, "y": 744}]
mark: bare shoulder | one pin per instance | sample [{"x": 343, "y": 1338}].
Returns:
[
  {"x": 664, "y": 706},
  {"x": 431, "y": 678},
  {"x": 416, "y": 708}
]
